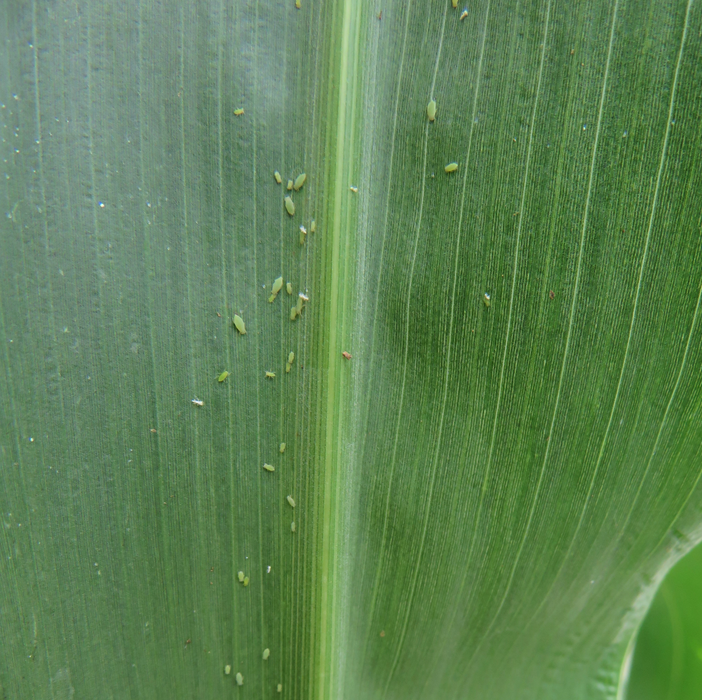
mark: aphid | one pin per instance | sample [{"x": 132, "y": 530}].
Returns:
[
  {"x": 298, "y": 4},
  {"x": 290, "y": 184},
  {"x": 291, "y": 501},
  {"x": 454, "y": 3},
  {"x": 266, "y": 654},
  {"x": 270, "y": 375},
  {"x": 239, "y": 324},
  {"x": 287, "y": 367},
  {"x": 269, "y": 467},
  {"x": 223, "y": 376},
  {"x": 240, "y": 576},
  {"x": 246, "y": 580},
  {"x": 293, "y": 313},
  {"x": 464, "y": 14},
  {"x": 227, "y": 670},
  {"x": 288, "y": 288},
  {"x": 239, "y": 679},
  {"x": 292, "y": 526},
  {"x": 552, "y": 294},
  {"x": 354, "y": 190},
  {"x": 298, "y": 306},
  {"x": 198, "y": 402},
  {"x": 268, "y": 570},
  {"x": 451, "y": 168},
  {"x": 313, "y": 226},
  {"x": 299, "y": 181},
  {"x": 289, "y": 206},
  {"x": 280, "y": 687},
  {"x": 486, "y": 299},
  {"x": 303, "y": 230},
  {"x": 277, "y": 177},
  {"x": 346, "y": 355},
  {"x": 291, "y": 358},
  {"x": 277, "y": 285},
  {"x": 302, "y": 235},
  {"x": 239, "y": 112},
  {"x": 153, "y": 430},
  {"x": 281, "y": 449},
  {"x": 431, "y": 110}
]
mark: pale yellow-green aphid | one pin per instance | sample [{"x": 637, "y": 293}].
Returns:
[
  {"x": 289, "y": 206},
  {"x": 270, "y": 375},
  {"x": 354, "y": 190},
  {"x": 246, "y": 580},
  {"x": 239, "y": 324},
  {"x": 227, "y": 670},
  {"x": 454, "y": 3},
  {"x": 240, "y": 576},
  {"x": 299, "y": 181},
  {"x": 451, "y": 168},
  {"x": 303, "y": 231},
  {"x": 290, "y": 184},
  {"x": 287, "y": 367},
  {"x": 464, "y": 14},
  {"x": 281, "y": 449},
  {"x": 239, "y": 679},
  {"x": 298, "y": 306},
  {"x": 280, "y": 687},
  {"x": 313, "y": 226},
  {"x": 298, "y": 4},
  {"x": 269, "y": 467},
  {"x": 291, "y": 501},
  {"x": 266, "y": 654},
  {"x": 291, "y": 358},
  {"x": 431, "y": 110},
  {"x": 277, "y": 177},
  {"x": 292, "y": 526},
  {"x": 277, "y": 286},
  {"x": 486, "y": 299},
  {"x": 239, "y": 112},
  {"x": 223, "y": 376},
  {"x": 288, "y": 288},
  {"x": 293, "y": 313}
]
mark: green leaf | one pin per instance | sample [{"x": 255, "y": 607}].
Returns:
[
  {"x": 666, "y": 661},
  {"x": 486, "y": 496}
]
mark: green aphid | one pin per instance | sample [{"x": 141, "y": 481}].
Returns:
[
  {"x": 281, "y": 449},
  {"x": 246, "y": 580},
  {"x": 299, "y": 181},
  {"x": 240, "y": 576},
  {"x": 239, "y": 112},
  {"x": 269, "y": 467},
  {"x": 291, "y": 358},
  {"x": 266, "y": 654},
  {"x": 277, "y": 177},
  {"x": 290, "y": 184},
  {"x": 277, "y": 285},
  {"x": 287, "y": 367},
  {"x": 239, "y": 679},
  {"x": 280, "y": 687},
  {"x": 293, "y": 313},
  {"x": 289, "y": 206},
  {"x": 313, "y": 226},
  {"x": 239, "y": 324},
  {"x": 451, "y": 168},
  {"x": 288, "y": 288},
  {"x": 271, "y": 298},
  {"x": 292, "y": 526},
  {"x": 223, "y": 376},
  {"x": 302, "y": 235},
  {"x": 431, "y": 110},
  {"x": 291, "y": 501},
  {"x": 227, "y": 670},
  {"x": 270, "y": 375},
  {"x": 298, "y": 306},
  {"x": 486, "y": 299}
]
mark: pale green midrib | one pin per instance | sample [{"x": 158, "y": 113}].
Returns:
[{"x": 332, "y": 420}]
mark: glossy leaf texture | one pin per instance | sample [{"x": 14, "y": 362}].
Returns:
[{"x": 492, "y": 482}]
